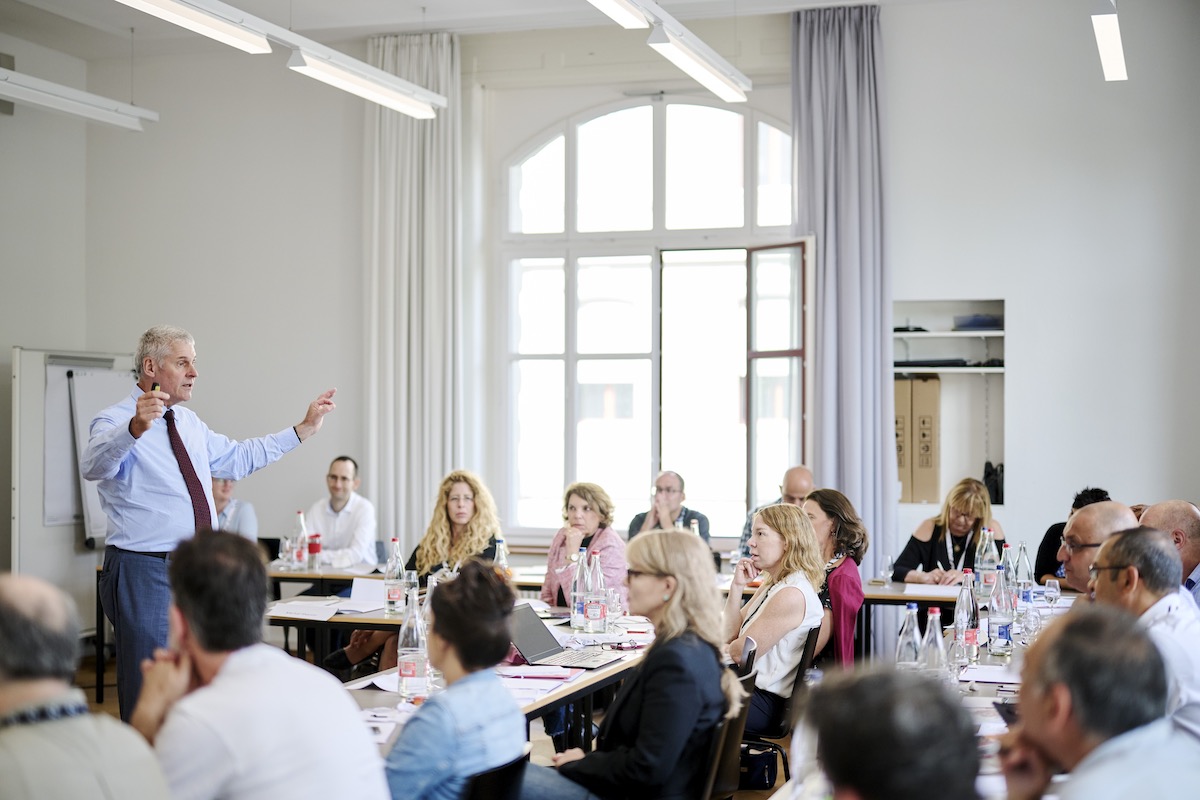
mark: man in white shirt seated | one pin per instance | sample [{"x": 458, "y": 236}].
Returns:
[
  {"x": 231, "y": 717},
  {"x": 1139, "y": 570},
  {"x": 1093, "y": 704},
  {"x": 346, "y": 521},
  {"x": 1181, "y": 520}
]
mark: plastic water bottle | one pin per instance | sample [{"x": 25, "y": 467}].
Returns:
[
  {"x": 579, "y": 587},
  {"x": 933, "y": 650},
  {"x": 1000, "y": 617},
  {"x": 908, "y": 645},
  {"x": 966, "y": 616},
  {"x": 1024, "y": 569},
  {"x": 314, "y": 552},
  {"x": 695, "y": 527},
  {"x": 393, "y": 581},
  {"x": 985, "y": 565},
  {"x": 412, "y": 653},
  {"x": 297, "y": 557},
  {"x": 501, "y": 560},
  {"x": 595, "y": 607}
]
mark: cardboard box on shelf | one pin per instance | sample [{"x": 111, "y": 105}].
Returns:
[
  {"x": 904, "y": 440},
  {"x": 927, "y": 421}
]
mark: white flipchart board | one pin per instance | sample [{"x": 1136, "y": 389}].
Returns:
[{"x": 49, "y": 511}]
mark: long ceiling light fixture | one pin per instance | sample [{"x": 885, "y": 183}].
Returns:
[
  {"x": 1108, "y": 42},
  {"x": 28, "y": 90},
  {"x": 352, "y": 75},
  {"x": 680, "y": 46},
  {"x": 216, "y": 19}
]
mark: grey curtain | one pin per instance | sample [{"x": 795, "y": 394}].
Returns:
[
  {"x": 835, "y": 124},
  {"x": 414, "y": 286}
]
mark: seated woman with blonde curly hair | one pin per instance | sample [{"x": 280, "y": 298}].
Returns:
[{"x": 464, "y": 525}]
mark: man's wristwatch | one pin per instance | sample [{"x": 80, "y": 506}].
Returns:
[{"x": 574, "y": 557}]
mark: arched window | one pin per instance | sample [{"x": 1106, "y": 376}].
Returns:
[{"x": 627, "y": 238}]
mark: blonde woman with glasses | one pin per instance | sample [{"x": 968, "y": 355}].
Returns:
[
  {"x": 656, "y": 737},
  {"x": 943, "y": 546}
]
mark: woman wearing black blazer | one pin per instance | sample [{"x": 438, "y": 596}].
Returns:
[{"x": 655, "y": 739}]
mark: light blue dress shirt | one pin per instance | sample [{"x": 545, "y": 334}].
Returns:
[
  {"x": 141, "y": 488},
  {"x": 473, "y": 726}
]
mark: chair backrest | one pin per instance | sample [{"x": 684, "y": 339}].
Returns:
[
  {"x": 749, "y": 651},
  {"x": 725, "y": 756},
  {"x": 501, "y": 783},
  {"x": 788, "y": 718}
]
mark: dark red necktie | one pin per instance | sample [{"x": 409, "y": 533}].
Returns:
[{"x": 195, "y": 490}]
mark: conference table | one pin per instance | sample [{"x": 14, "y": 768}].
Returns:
[{"x": 580, "y": 692}]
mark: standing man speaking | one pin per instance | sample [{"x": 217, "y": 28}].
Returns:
[{"x": 155, "y": 461}]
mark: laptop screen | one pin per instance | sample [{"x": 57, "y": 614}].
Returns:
[{"x": 531, "y": 636}]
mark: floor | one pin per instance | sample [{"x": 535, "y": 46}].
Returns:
[{"x": 543, "y": 749}]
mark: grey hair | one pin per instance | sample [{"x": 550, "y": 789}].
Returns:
[
  {"x": 155, "y": 344},
  {"x": 32, "y": 645},
  {"x": 1111, "y": 667},
  {"x": 1152, "y": 552}
]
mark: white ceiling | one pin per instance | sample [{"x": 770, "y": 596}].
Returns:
[{"x": 92, "y": 29}]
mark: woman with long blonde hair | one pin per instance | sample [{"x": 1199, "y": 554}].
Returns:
[
  {"x": 656, "y": 737},
  {"x": 943, "y": 546},
  {"x": 784, "y": 553},
  {"x": 464, "y": 524}
]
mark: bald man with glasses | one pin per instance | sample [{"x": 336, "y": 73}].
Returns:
[{"x": 1085, "y": 532}]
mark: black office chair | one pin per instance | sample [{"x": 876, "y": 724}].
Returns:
[
  {"x": 788, "y": 718},
  {"x": 501, "y": 783},
  {"x": 725, "y": 756},
  {"x": 749, "y": 651}
]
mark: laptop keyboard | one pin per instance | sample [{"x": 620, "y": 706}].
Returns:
[{"x": 576, "y": 658}]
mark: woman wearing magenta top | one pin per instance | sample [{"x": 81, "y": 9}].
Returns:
[
  {"x": 588, "y": 512},
  {"x": 843, "y": 541}
]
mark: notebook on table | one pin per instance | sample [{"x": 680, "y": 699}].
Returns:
[{"x": 537, "y": 644}]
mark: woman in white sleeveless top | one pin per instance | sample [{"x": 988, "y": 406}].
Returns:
[{"x": 784, "y": 552}]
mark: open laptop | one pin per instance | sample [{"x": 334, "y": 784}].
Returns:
[{"x": 537, "y": 644}]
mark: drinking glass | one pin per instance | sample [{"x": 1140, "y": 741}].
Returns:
[
  {"x": 1031, "y": 626},
  {"x": 888, "y": 566},
  {"x": 1053, "y": 592},
  {"x": 410, "y": 581},
  {"x": 286, "y": 546},
  {"x": 614, "y": 609}
]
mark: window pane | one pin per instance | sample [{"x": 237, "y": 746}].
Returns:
[
  {"x": 705, "y": 182},
  {"x": 614, "y": 304},
  {"x": 537, "y": 190},
  {"x": 616, "y": 176},
  {"x": 537, "y": 437},
  {"x": 776, "y": 401},
  {"x": 777, "y": 299},
  {"x": 774, "y": 176},
  {"x": 613, "y": 430},
  {"x": 703, "y": 373},
  {"x": 540, "y": 305}
]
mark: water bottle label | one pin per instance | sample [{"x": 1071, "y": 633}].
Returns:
[
  {"x": 595, "y": 610},
  {"x": 408, "y": 669},
  {"x": 395, "y": 593},
  {"x": 971, "y": 636},
  {"x": 1003, "y": 631}
]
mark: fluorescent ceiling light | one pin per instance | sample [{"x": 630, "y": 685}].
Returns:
[
  {"x": 308, "y": 57},
  {"x": 623, "y": 12},
  {"x": 351, "y": 75},
  {"x": 215, "y": 20},
  {"x": 28, "y": 90},
  {"x": 713, "y": 72},
  {"x": 1108, "y": 42}
]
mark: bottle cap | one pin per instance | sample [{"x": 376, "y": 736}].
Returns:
[{"x": 910, "y": 606}]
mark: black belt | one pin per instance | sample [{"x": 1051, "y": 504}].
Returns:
[{"x": 160, "y": 556}]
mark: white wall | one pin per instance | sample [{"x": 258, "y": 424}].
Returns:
[
  {"x": 238, "y": 216},
  {"x": 1012, "y": 170},
  {"x": 42, "y": 193}
]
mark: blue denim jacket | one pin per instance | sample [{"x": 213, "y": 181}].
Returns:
[{"x": 473, "y": 726}]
